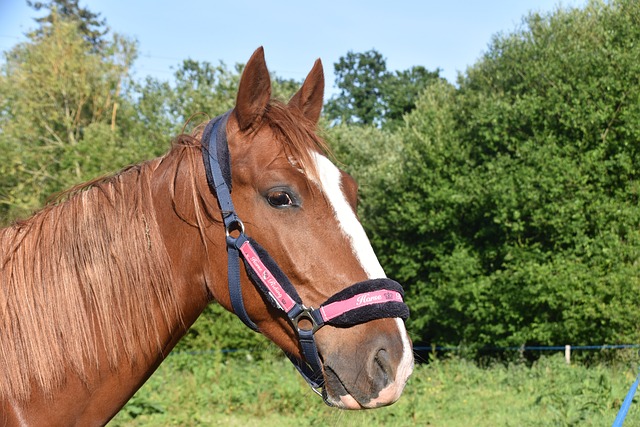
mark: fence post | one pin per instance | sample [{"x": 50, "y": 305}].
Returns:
[{"x": 567, "y": 354}]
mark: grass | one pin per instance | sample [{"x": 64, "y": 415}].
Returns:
[{"x": 195, "y": 390}]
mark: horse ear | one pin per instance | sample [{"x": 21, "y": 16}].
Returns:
[
  {"x": 309, "y": 98},
  {"x": 254, "y": 91}
]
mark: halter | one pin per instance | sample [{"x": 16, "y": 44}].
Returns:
[{"x": 359, "y": 303}]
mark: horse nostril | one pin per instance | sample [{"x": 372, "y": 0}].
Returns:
[{"x": 383, "y": 368}]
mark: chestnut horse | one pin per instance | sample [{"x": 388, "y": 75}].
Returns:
[{"x": 97, "y": 289}]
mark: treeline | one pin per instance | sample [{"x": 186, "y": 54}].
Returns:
[{"x": 507, "y": 204}]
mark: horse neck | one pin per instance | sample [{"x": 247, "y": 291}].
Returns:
[{"x": 134, "y": 293}]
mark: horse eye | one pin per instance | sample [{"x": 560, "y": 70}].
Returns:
[{"x": 279, "y": 199}]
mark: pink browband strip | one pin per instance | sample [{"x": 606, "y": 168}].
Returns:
[
  {"x": 337, "y": 308},
  {"x": 275, "y": 289}
]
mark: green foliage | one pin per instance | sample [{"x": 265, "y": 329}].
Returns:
[
  {"x": 221, "y": 330},
  {"x": 358, "y": 75},
  {"x": 58, "y": 94},
  {"x": 515, "y": 218},
  {"x": 402, "y": 90},
  {"x": 92, "y": 29},
  {"x": 369, "y": 94},
  {"x": 201, "y": 87}
]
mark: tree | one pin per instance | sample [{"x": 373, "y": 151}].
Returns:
[
  {"x": 402, "y": 90},
  {"x": 369, "y": 94},
  {"x": 89, "y": 25},
  {"x": 58, "y": 94},
  {"x": 359, "y": 77},
  {"x": 514, "y": 219}
]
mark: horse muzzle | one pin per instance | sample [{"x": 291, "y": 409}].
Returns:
[{"x": 378, "y": 375}]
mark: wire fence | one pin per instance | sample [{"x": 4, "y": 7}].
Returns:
[
  {"x": 531, "y": 347},
  {"x": 528, "y": 348}
]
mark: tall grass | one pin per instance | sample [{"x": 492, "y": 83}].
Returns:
[{"x": 208, "y": 389}]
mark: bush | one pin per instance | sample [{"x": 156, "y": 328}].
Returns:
[{"x": 513, "y": 215}]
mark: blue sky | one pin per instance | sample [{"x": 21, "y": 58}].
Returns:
[{"x": 446, "y": 34}]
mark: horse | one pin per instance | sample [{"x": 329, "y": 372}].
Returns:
[{"x": 97, "y": 288}]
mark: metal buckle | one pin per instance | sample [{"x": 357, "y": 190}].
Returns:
[{"x": 305, "y": 314}]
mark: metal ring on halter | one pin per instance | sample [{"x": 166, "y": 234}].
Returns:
[
  {"x": 305, "y": 314},
  {"x": 234, "y": 225}
]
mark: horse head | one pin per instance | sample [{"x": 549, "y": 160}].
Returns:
[{"x": 302, "y": 209}]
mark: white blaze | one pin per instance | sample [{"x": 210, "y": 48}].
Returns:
[{"x": 330, "y": 183}]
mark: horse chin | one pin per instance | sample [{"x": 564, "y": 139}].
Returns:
[
  {"x": 349, "y": 402},
  {"x": 337, "y": 395}
]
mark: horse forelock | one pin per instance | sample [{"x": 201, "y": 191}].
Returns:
[
  {"x": 81, "y": 279},
  {"x": 298, "y": 136}
]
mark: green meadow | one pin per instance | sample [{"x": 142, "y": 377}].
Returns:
[{"x": 209, "y": 389}]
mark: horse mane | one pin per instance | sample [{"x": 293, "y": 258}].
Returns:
[
  {"x": 89, "y": 273},
  {"x": 80, "y": 277}
]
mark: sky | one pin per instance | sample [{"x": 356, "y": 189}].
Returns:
[{"x": 447, "y": 34}]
